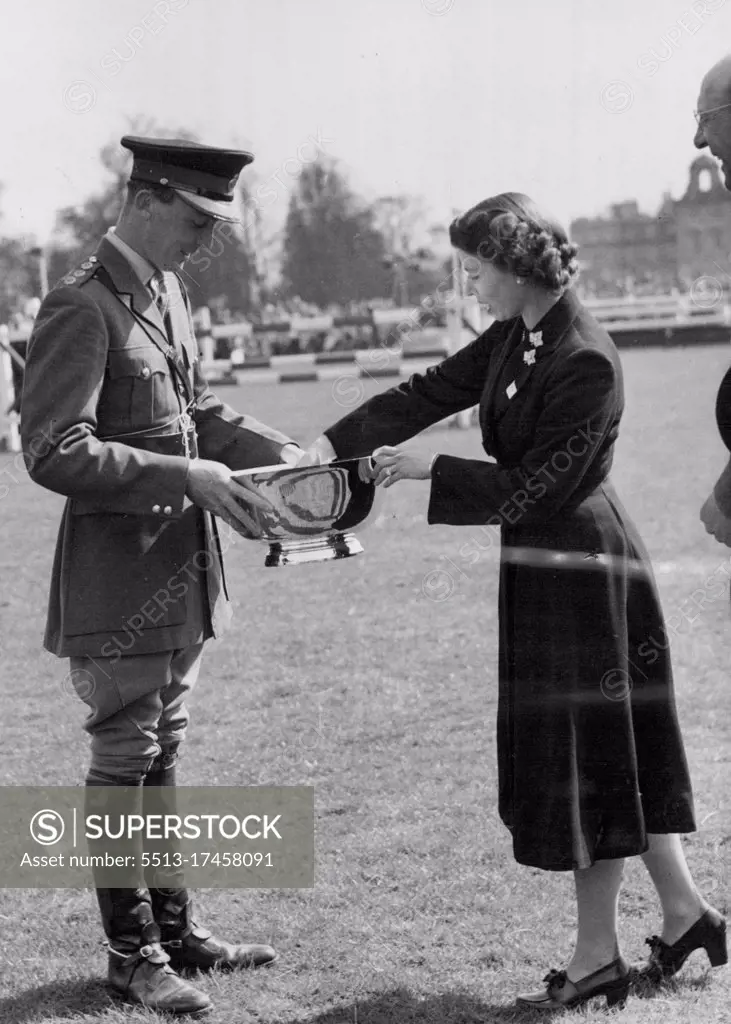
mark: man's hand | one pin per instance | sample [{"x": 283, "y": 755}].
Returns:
[
  {"x": 211, "y": 485},
  {"x": 715, "y": 522}
]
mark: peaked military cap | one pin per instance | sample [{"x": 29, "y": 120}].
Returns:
[{"x": 203, "y": 176}]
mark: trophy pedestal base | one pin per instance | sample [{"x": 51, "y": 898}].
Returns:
[{"x": 315, "y": 549}]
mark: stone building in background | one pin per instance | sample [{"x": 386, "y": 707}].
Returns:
[
  {"x": 703, "y": 226},
  {"x": 634, "y": 252}
]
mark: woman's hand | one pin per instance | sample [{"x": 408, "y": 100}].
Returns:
[{"x": 393, "y": 464}]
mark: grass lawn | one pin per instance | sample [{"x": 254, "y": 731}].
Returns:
[{"x": 377, "y": 685}]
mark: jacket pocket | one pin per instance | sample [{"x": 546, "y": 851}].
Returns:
[
  {"x": 138, "y": 388},
  {"x": 116, "y": 569}
]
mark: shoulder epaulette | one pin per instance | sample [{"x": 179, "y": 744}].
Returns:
[{"x": 81, "y": 274}]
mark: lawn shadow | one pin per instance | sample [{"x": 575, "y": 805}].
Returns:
[
  {"x": 694, "y": 983},
  {"x": 400, "y": 1006},
  {"x": 67, "y": 998}
]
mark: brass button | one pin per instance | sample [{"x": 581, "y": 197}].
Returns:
[
  {"x": 168, "y": 510},
  {"x": 156, "y": 509},
  {"x": 146, "y": 371}
]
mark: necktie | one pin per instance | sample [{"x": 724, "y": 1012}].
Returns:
[
  {"x": 161, "y": 296},
  {"x": 163, "y": 300}
]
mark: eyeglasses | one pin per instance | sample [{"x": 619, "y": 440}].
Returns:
[{"x": 701, "y": 116}]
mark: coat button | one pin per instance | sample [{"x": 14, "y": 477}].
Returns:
[
  {"x": 145, "y": 371},
  {"x": 156, "y": 509},
  {"x": 168, "y": 510}
]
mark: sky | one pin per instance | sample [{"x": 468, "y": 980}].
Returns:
[{"x": 578, "y": 103}]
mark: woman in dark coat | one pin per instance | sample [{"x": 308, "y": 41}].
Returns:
[{"x": 591, "y": 761}]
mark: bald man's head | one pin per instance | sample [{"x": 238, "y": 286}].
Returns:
[
  {"x": 716, "y": 85},
  {"x": 714, "y": 115}
]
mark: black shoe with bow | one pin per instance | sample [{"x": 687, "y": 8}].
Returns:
[
  {"x": 611, "y": 981},
  {"x": 709, "y": 933}
]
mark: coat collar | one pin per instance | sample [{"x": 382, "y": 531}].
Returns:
[
  {"x": 130, "y": 288},
  {"x": 554, "y": 324}
]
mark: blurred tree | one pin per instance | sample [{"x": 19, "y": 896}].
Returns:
[
  {"x": 18, "y": 275},
  {"x": 414, "y": 267},
  {"x": 81, "y": 227},
  {"x": 332, "y": 252},
  {"x": 401, "y": 219}
]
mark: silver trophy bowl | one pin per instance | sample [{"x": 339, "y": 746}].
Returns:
[{"x": 318, "y": 510}]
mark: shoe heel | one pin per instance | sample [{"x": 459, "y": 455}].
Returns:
[
  {"x": 617, "y": 992},
  {"x": 716, "y": 949}
]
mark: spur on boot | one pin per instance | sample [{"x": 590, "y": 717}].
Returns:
[
  {"x": 611, "y": 981},
  {"x": 144, "y": 976},
  {"x": 709, "y": 933}
]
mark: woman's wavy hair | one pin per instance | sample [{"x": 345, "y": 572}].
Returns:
[{"x": 511, "y": 232}]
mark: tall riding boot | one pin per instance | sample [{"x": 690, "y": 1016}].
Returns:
[
  {"x": 189, "y": 946},
  {"x": 138, "y": 967},
  {"x": 164, "y": 870}
]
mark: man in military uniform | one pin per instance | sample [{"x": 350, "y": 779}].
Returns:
[
  {"x": 713, "y": 117},
  {"x": 117, "y": 416}
]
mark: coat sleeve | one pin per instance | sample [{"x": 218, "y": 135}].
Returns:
[
  {"x": 722, "y": 487},
  {"x": 722, "y": 491},
  {"x": 401, "y": 412},
  {"x": 236, "y": 440},
  {"x": 578, "y": 412},
  {"x": 64, "y": 374}
]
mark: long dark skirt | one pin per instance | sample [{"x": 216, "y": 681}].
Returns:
[{"x": 590, "y": 753}]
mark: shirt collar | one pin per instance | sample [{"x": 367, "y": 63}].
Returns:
[{"x": 141, "y": 266}]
